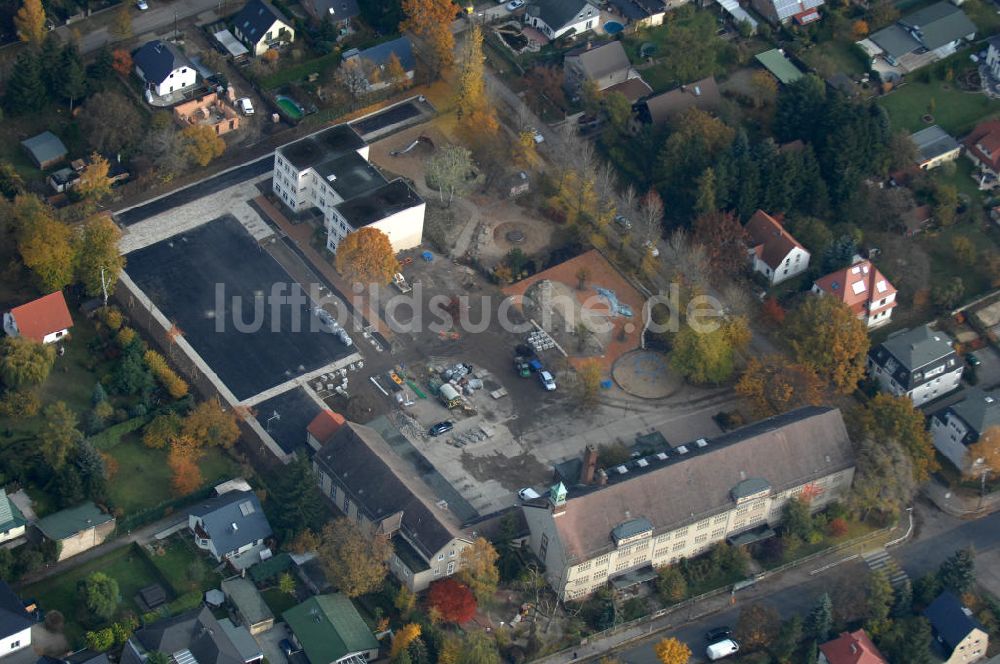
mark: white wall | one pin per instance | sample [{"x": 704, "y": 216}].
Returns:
[
  {"x": 13, "y": 533},
  {"x": 178, "y": 79},
  {"x": 948, "y": 433},
  {"x": 405, "y": 229},
  {"x": 920, "y": 395},
  {"x": 15, "y": 642}
]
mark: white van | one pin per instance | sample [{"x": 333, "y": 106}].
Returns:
[
  {"x": 245, "y": 105},
  {"x": 721, "y": 649}
]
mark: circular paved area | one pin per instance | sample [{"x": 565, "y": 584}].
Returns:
[{"x": 645, "y": 374}]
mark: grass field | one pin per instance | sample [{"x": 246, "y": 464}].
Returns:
[
  {"x": 183, "y": 566},
  {"x": 957, "y": 112},
  {"x": 834, "y": 56},
  {"x": 278, "y": 601}
]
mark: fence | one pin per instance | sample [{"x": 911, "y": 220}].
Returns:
[{"x": 157, "y": 512}]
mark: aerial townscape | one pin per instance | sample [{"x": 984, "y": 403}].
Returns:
[{"x": 479, "y": 332}]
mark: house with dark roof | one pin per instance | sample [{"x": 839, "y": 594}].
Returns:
[
  {"x": 368, "y": 482},
  {"x": 556, "y": 18},
  {"x": 231, "y": 527},
  {"x": 781, "y": 12},
  {"x": 643, "y": 13},
  {"x": 863, "y": 289},
  {"x": 164, "y": 68},
  {"x": 958, "y": 636},
  {"x": 923, "y": 37},
  {"x": 774, "y": 253},
  {"x": 850, "y": 648},
  {"x": 617, "y": 524},
  {"x": 605, "y": 65},
  {"x": 12, "y": 521},
  {"x": 338, "y": 12},
  {"x": 77, "y": 529},
  {"x": 45, "y": 149},
  {"x": 373, "y": 63},
  {"x": 249, "y": 604},
  {"x": 960, "y": 425},
  {"x": 45, "y": 320},
  {"x": 659, "y": 109},
  {"x": 261, "y": 27},
  {"x": 982, "y": 146},
  {"x": 195, "y": 637},
  {"x": 15, "y": 622},
  {"x": 935, "y": 146},
  {"x": 919, "y": 363},
  {"x": 329, "y": 630}
]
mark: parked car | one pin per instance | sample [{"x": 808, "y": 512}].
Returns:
[
  {"x": 972, "y": 360},
  {"x": 245, "y": 105},
  {"x": 514, "y": 5},
  {"x": 722, "y": 649},
  {"x": 718, "y": 634},
  {"x": 287, "y": 647},
  {"x": 440, "y": 428},
  {"x": 528, "y": 493},
  {"x": 141, "y": 4},
  {"x": 623, "y": 222},
  {"x": 653, "y": 249},
  {"x": 547, "y": 381}
]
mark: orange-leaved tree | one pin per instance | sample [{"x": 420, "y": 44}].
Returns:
[
  {"x": 183, "y": 462},
  {"x": 202, "y": 144},
  {"x": 888, "y": 417},
  {"x": 672, "y": 651},
  {"x": 402, "y": 639},
  {"x": 984, "y": 454},
  {"x": 30, "y": 22},
  {"x": 453, "y": 601},
  {"x": 366, "y": 256},
  {"x": 825, "y": 335},
  {"x": 774, "y": 386},
  {"x": 209, "y": 424},
  {"x": 121, "y": 61},
  {"x": 430, "y": 21},
  {"x": 471, "y": 99}
]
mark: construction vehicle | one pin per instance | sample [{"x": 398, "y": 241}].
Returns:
[{"x": 399, "y": 281}]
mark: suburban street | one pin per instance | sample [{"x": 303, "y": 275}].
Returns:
[{"x": 940, "y": 538}]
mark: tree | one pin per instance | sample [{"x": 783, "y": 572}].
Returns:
[
  {"x": 478, "y": 648},
  {"x": 774, "y": 386},
  {"x": 355, "y": 563},
  {"x": 706, "y": 202},
  {"x": 826, "y": 336},
  {"x": 395, "y": 73},
  {"x": 100, "y": 640},
  {"x": 471, "y": 100},
  {"x": 945, "y": 203},
  {"x": 405, "y": 601},
  {"x": 757, "y": 626},
  {"x": 448, "y": 172},
  {"x": 158, "y": 657},
  {"x": 709, "y": 357},
  {"x": 590, "y": 373},
  {"x": 306, "y": 541},
  {"x": 72, "y": 76},
  {"x": 210, "y": 425},
  {"x": 958, "y": 572},
  {"x": 697, "y": 140},
  {"x": 99, "y": 593},
  {"x": 25, "y": 90},
  {"x": 890, "y": 417},
  {"x": 884, "y": 481},
  {"x": 908, "y": 641},
  {"x": 94, "y": 182},
  {"x": 964, "y": 251},
  {"x": 202, "y": 144},
  {"x": 366, "y": 256},
  {"x": 672, "y": 651},
  {"x": 838, "y": 254},
  {"x": 478, "y": 569},
  {"x": 121, "y": 61},
  {"x": 301, "y": 510},
  {"x": 724, "y": 240},
  {"x": 878, "y": 604},
  {"x": 30, "y": 22},
  {"x": 452, "y": 600},
  {"x": 182, "y": 460},
  {"x": 402, "y": 639},
  {"x": 763, "y": 87},
  {"x": 110, "y": 122},
  {"x": 671, "y": 584},
  {"x": 430, "y": 21},
  {"x": 947, "y": 294},
  {"x": 25, "y": 362},
  {"x": 286, "y": 584},
  {"x": 44, "y": 243},
  {"x": 121, "y": 25},
  {"x": 162, "y": 430},
  {"x": 796, "y": 520},
  {"x": 820, "y": 621},
  {"x": 985, "y": 453},
  {"x": 11, "y": 182},
  {"x": 59, "y": 434},
  {"x": 650, "y": 216},
  {"x": 787, "y": 643}
]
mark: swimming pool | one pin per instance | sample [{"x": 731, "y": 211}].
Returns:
[{"x": 290, "y": 106}]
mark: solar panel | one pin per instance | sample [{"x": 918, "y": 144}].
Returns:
[
  {"x": 858, "y": 287},
  {"x": 246, "y": 508}
]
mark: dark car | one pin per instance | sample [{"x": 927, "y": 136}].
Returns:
[
  {"x": 972, "y": 360},
  {"x": 440, "y": 428},
  {"x": 718, "y": 634},
  {"x": 287, "y": 647}
]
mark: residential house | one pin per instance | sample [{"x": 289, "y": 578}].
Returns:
[
  {"x": 982, "y": 146},
  {"x": 801, "y": 12},
  {"x": 45, "y": 320},
  {"x": 993, "y": 57},
  {"x": 618, "y": 524},
  {"x": 773, "y": 251},
  {"x": 959, "y": 637},
  {"x": 194, "y": 636},
  {"x": 557, "y": 18},
  {"x": 920, "y": 363},
  {"x": 76, "y": 529},
  {"x": 329, "y": 630},
  {"x": 164, "y": 68},
  {"x": 261, "y": 27},
  {"x": 863, "y": 289},
  {"x": 644, "y": 13},
  {"x": 777, "y": 63},
  {"x": 604, "y": 64},
  {"x": 374, "y": 61},
  {"x": 12, "y": 522},
  {"x": 45, "y": 149},
  {"x": 960, "y": 425},
  {"x": 923, "y": 37},
  {"x": 850, "y": 648},
  {"x": 915, "y": 220},
  {"x": 659, "y": 109},
  {"x": 427, "y": 537},
  {"x": 15, "y": 622},
  {"x": 251, "y": 609},
  {"x": 211, "y": 110},
  {"x": 935, "y": 146},
  {"x": 231, "y": 527},
  {"x": 330, "y": 171},
  {"x": 338, "y": 12}
]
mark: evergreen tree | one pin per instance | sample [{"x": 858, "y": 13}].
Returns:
[
  {"x": 73, "y": 78},
  {"x": 820, "y": 620},
  {"x": 50, "y": 59},
  {"x": 878, "y": 604},
  {"x": 908, "y": 641},
  {"x": 299, "y": 499},
  {"x": 706, "y": 200},
  {"x": 99, "y": 395},
  {"x": 958, "y": 572},
  {"x": 102, "y": 68},
  {"x": 839, "y": 254},
  {"x": 800, "y": 106},
  {"x": 25, "y": 88},
  {"x": 925, "y": 590},
  {"x": 93, "y": 473},
  {"x": 788, "y": 640},
  {"x": 903, "y": 605}
]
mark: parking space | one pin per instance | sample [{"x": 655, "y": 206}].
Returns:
[
  {"x": 269, "y": 642},
  {"x": 988, "y": 370}
]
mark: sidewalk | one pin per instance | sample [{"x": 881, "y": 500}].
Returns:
[{"x": 960, "y": 504}]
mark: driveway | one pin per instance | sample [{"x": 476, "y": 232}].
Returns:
[{"x": 269, "y": 640}]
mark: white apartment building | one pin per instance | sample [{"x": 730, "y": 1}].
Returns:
[
  {"x": 678, "y": 503},
  {"x": 330, "y": 171},
  {"x": 958, "y": 426},
  {"x": 919, "y": 363}
]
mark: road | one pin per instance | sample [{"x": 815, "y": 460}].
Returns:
[{"x": 916, "y": 557}]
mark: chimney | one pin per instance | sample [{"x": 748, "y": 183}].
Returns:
[
  {"x": 589, "y": 465},
  {"x": 602, "y": 477}
]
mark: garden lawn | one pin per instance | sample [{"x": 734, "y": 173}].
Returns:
[
  {"x": 296, "y": 73},
  {"x": 944, "y": 264},
  {"x": 836, "y": 56},
  {"x": 127, "y": 566},
  {"x": 278, "y": 601},
  {"x": 183, "y": 566},
  {"x": 955, "y": 111}
]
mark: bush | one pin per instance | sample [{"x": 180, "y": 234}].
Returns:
[
  {"x": 172, "y": 383},
  {"x": 837, "y": 527},
  {"x": 18, "y": 404}
]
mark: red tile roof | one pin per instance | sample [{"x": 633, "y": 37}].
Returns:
[
  {"x": 852, "y": 648},
  {"x": 42, "y": 317},
  {"x": 324, "y": 425},
  {"x": 858, "y": 286},
  {"x": 769, "y": 239},
  {"x": 987, "y": 135}
]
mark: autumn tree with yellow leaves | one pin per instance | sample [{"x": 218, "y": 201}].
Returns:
[
  {"x": 826, "y": 336},
  {"x": 366, "y": 256},
  {"x": 773, "y": 385},
  {"x": 44, "y": 243},
  {"x": 672, "y": 651},
  {"x": 474, "y": 109},
  {"x": 30, "y": 22},
  {"x": 430, "y": 21}
]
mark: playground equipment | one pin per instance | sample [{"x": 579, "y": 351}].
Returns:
[
  {"x": 415, "y": 143},
  {"x": 617, "y": 308}
]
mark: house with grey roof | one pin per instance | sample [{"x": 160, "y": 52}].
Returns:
[
  {"x": 45, "y": 149},
  {"x": 76, "y": 529},
  {"x": 920, "y": 363},
  {"x": 606, "y": 65},
  {"x": 644, "y": 13},
  {"x": 960, "y": 425},
  {"x": 781, "y": 12},
  {"x": 935, "y": 146},
  {"x": 164, "y": 68},
  {"x": 958, "y": 637},
  {"x": 249, "y": 604},
  {"x": 558, "y": 18},
  {"x": 195, "y": 637},
  {"x": 362, "y": 476},
  {"x": 231, "y": 527},
  {"x": 338, "y": 12},
  {"x": 15, "y": 622},
  {"x": 659, "y": 109},
  {"x": 12, "y": 522},
  {"x": 262, "y": 27},
  {"x": 373, "y": 63},
  {"x": 923, "y": 37},
  {"x": 618, "y": 524}
]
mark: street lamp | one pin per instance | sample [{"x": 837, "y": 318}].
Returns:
[{"x": 274, "y": 416}]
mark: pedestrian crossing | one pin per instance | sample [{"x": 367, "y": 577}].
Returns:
[{"x": 881, "y": 561}]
